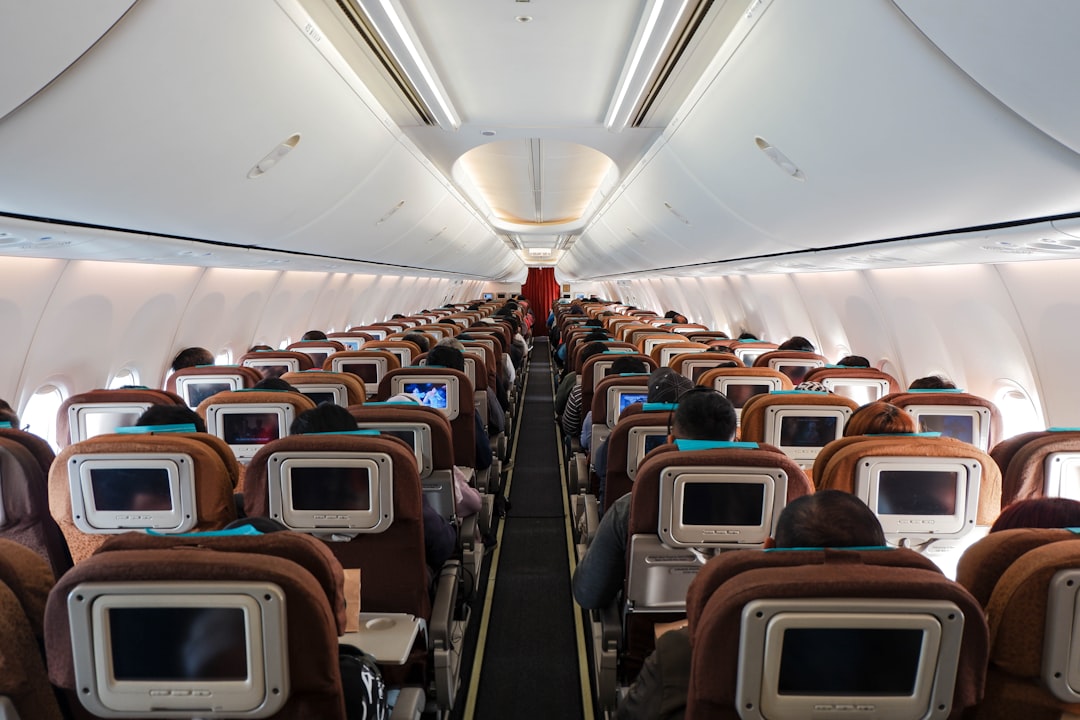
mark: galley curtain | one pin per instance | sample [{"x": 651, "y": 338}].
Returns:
[{"x": 540, "y": 289}]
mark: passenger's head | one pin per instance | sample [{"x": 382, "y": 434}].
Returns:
[
  {"x": 259, "y": 348},
  {"x": 627, "y": 365},
  {"x": 417, "y": 339},
  {"x": 856, "y": 361},
  {"x": 596, "y": 335},
  {"x": 703, "y": 414},
  {"x": 273, "y": 383},
  {"x": 327, "y": 417},
  {"x": 8, "y": 415},
  {"x": 1044, "y": 512},
  {"x": 932, "y": 382},
  {"x": 171, "y": 415},
  {"x": 812, "y": 386},
  {"x": 747, "y": 336},
  {"x": 594, "y": 348},
  {"x": 446, "y": 356},
  {"x": 313, "y": 335},
  {"x": 192, "y": 357},
  {"x": 879, "y": 418},
  {"x": 827, "y": 518},
  {"x": 455, "y": 342},
  {"x": 666, "y": 385},
  {"x": 798, "y": 342}
]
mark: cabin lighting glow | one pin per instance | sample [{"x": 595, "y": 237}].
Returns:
[
  {"x": 780, "y": 159},
  {"x": 274, "y": 157}
]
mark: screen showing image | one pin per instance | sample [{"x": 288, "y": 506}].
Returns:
[
  {"x": 197, "y": 391},
  {"x": 722, "y": 503},
  {"x": 368, "y": 372},
  {"x": 845, "y": 662},
  {"x": 407, "y": 435},
  {"x": 488, "y": 296},
  {"x": 104, "y": 422},
  {"x": 272, "y": 371},
  {"x": 179, "y": 644},
  {"x": 318, "y": 358},
  {"x": 960, "y": 427},
  {"x": 429, "y": 394},
  {"x": 797, "y": 373},
  {"x": 807, "y": 431},
  {"x": 628, "y": 399},
  {"x": 350, "y": 344},
  {"x": 861, "y": 394},
  {"x": 654, "y": 441},
  {"x": 319, "y": 397},
  {"x": 917, "y": 492},
  {"x": 130, "y": 489},
  {"x": 330, "y": 488},
  {"x": 254, "y": 428},
  {"x": 738, "y": 393}
]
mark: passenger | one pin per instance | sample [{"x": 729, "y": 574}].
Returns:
[
  {"x": 826, "y": 519},
  {"x": 192, "y": 357},
  {"x": 812, "y": 386},
  {"x": 675, "y": 317},
  {"x": 448, "y": 357},
  {"x": 854, "y": 361},
  {"x": 797, "y": 342},
  {"x": 621, "y": 366},
  {"x": 932, "y": 382},
  {"x": 496, "y": 412},
  {"x": 1043, "y": 512},
  {"x": 8, "y": 415},
  {"x": 440, "y": 538},
  {"x": 571, "y": 416},
  {"x": 259, "y": 348},
  {"x": 665, "y": 386},
  {"x": 171, "y": 415},
  {"x": 744, "y": 336},
  {"x": 417, "y": 339},
  {"x": 274, "y": 383},
  {"x": 313, "y": 335},
  {"x": 879, "y": 418},
  {"x": 702, "y": 414}
]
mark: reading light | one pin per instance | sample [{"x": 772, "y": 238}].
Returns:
[
  {"x": 283, "y": 149},
  {"x": 390, "y": 23},
  {"x": 652, "y": 38},
  {"x": 780, "y": 159}
]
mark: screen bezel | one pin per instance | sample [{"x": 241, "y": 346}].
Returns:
[
  {"x": 215, "y": 425},
  {"x": 980, "y": 419},
  {"x": 345, "y": 523},
  {"x": 774, "y": 421},
  {"x": 749, "y": 354},
  {"x": 340, "y": 392},
  {"x": 79, "y": 414},
  {"x": 614, "y": 394},
  {"x": 261, "y": 694},
  {"x": 1055, "y": 467},
  {"x": 675, "y": 533},
  {"x": 182, "y": 517},
  {"x": 293, "y": 364},
  {"x": 337, "y": 364},
  {"x": 422, "y": 450},
  {"x": 652, "y": 343},
  {"x": 808, "y": 363},
  {"x": 834, "y": 383},
  {"x": 668, "y": 354},
  {"x": 635, "y": 445},
  {"x": 922, "y": 527},
  {"x": 183, "y": 383},
  {"x": 721, "y": 385},
  {"x": 453, "y": 390},
  {"x": 761, "y": 645}
]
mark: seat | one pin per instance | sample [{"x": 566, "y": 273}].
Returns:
[
  {"x": 25, "y": 581},
  {"x": 693, "y": 365},
  {"x": 317, "y": 350},
  {"x": 25, "y": 517},
  {"x": 368, "y": 365},
  {"x": 749, "y": 350},
  {"x": 403, "y": 350},
  {"x": 248, "y": 419},
  {"x": 351, "y": 340},
  {"x": 596, "y": 369},
  {"x": 799, "y": 423},
  {"x": 739, "y": 384},
  {"x": 765, "y": 628},
  {"x": 195, "y": 384},
  {"x": 97, "y": 412},
  {"x": 340, "y": 388},
  {"x": 275, "y": 363},
  {"x": 1027, "y": 579},
  {"x": 955, "y": 413},
  {"x": 287, "y": 609},
  {"x": 793, "y": 363},
  {"x": 609, "y": 398},
  {"x": 664, "y": 354},
  {"x": 863, "y": 385},
  {"x": 640, "y": 429},
  {"x": 1039, "y": 464}
]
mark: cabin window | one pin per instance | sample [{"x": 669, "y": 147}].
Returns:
[
  {"x": 224, "y": 357},
  {"x": 127, "y": 376},
  {"x": 1019, "y": 413},
  {"x": 39, "y": 415},
  {"x": 285, "y": 343}
]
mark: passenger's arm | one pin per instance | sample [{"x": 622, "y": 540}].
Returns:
[{"x": 600, "y": 575}]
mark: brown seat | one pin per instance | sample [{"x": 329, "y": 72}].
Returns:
[
  {"x": 1032, "y": 464},
  {"x": 987, "y": 433},
  {"x": 693, "y": 365},
  {"x": 24, "y": 494},
  {"x": 863, "y": 385},
  {"x": 275, "y": 363},
  {"x": 463, "y": 425},
  {"x": 774, "y": 418},
  {"x": 123, "y": 406},
  {"x": 368, "y": 365},
  {"x": 354, "y": 387},
  {"x": 793, "y": 363}
]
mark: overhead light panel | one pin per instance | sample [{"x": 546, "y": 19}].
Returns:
[
  {"x": 661, "y": 19},
  {"x": 389, "y": 21}
]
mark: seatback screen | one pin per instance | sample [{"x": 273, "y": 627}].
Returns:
[
  {"x": 917, "y": 492},
  {"x": 130, "y": 489},
  {"x": 850, "y": 661},
  {"x": 330, "y": 488},
  {"x": 163, "y": 644},
  {"x": 719, "y": 503}
]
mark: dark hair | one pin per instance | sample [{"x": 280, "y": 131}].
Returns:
[
  {"x": 314, "y": 335},
  {"x": 8, "y": 415},
  {"x": 418, "y": 339},
  {"x": 273, "y": 383},
  {"x": 879, "y": 418},
  {"x": 596, "y": 335},
  {"x": 623, "y": 365},
  {"x": 192, "y": 357},
  {"x": 446, "y": 356},
  {"x": 747, "y": 336},
  {"x": 703, "y": 414},
  {"x": 258, "y": 348},
  {"x": 797, "y": 342},
  {"x": 856, "y": 361},
  {"x": 593, "y": 348},
  {"x": 171, "y": 415},
  {"x": 1043, "y": 512},
  {"x": 327, "y": 417},
  {"x": 828, "y": 518},
  {"x": 262, "y": 524},
  {"x": 932, "y": 382}
]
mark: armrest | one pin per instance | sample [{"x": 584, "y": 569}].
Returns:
[
  {"x": 442, "y": 609},
  {"x": 582, "y": 474},
  {"x": 610, "y": 626},
  {"x": 467, "y": 532}
]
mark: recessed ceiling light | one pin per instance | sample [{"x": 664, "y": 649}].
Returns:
[
  {"x": 275, "y": 155},
  {"x": 524, "y": 18},
  {"x": 487, "y": 133}
]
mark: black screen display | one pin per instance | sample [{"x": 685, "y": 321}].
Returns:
[
  {"x": 368, "y": 372},
  {"x": 178, "y": 644},
  {"x": 720, "y": 503},
  {"x": 254, "y": 428},
  {"x": 961, "y": 427},
  {"x": 738, "y": 393},
  {"x": 917, "y": 492},
  {"x": 130, "y": 489},
  {"x": 197, "y": 392},
  {"x": 330, "y": 488},
  {"x": 807, "y": 431},
  {"x": 320, "y": 397},
  {"x": 842, "y": 662}
]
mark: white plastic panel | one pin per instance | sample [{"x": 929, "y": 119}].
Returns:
[
  {"x": 26, "y": 285},
  {"x": 846, "y": 315}
]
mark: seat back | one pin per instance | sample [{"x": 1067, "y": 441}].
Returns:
[
  {"x": 403, "y": 350},
  {"x": 739, "y": 384},
  {"x": 98, "y": 412},
  {"x": 368, "y": 365},
  {"x": 351, "y": 340},
  {"x": 663, "y": 355},
  {"x": 173, "y": 482},
  {"x": 324, "y": 386},
  {"x": 793, "y": 363},
  {"x": 170, "y": 607},
  {"x": 801, "y": 633},
  {"x": 195, "y": 384},
  {"x": 596, "y": 369},
  {"x": 750, "y": 350},
  {"x": 275, "y": 363},
  {"x": 317, "y": 350},
  {"x": 633, "y": 436},
  {"x": 863, "y": 385},
  {"x": 24, "y": 502},
  {"x": 1039, "y": 464},
  {"x": 450, "y": 392},
  {"x": 957, "y": 414},
  {"x": 248, "y": 419},
  {"x": 610, "y": 398},
  {"x": 799, "y": 423},
  {"x": 694, "y": 365}
]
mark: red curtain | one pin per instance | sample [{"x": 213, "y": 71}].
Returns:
[{"x": 541, "y": 289}]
